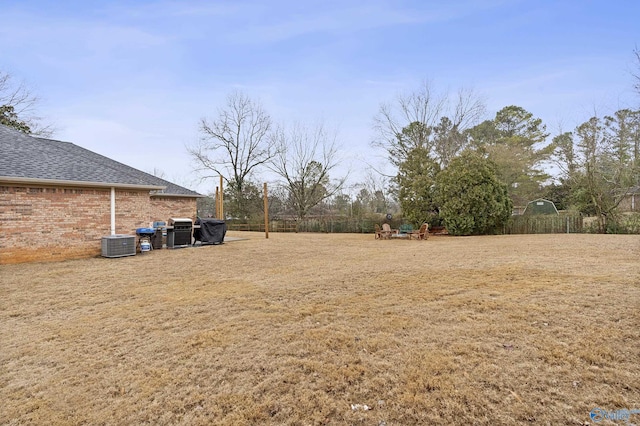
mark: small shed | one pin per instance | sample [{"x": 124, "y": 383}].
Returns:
[{"x": 540, "y": 206}]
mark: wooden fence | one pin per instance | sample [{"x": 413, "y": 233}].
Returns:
[
  {"x": 540, "y": 224},
  {"x": 308, "y": 225},
  {"x": 274, "y": 226},
  {"x": 544, "y": 224}
]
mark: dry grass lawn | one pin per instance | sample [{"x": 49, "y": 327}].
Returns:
[{"x": 295, "y": 329}]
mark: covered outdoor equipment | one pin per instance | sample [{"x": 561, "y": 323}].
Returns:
[{"x": 211, "y": 231}]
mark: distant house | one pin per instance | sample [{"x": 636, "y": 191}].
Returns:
[
  {"x": 540, "y": 206},
  {"x": 631, "y": 200},
  {"x": 57, "y": 200}
]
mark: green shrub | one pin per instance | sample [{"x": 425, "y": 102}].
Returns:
[
  {"x": 625, "y": 224},
  {"x": 472, "y": 199}
]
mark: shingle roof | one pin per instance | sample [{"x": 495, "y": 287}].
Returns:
[{"x": 30, "y": 158}]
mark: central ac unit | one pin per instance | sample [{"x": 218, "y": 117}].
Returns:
[{"x": 118, "y": 245}]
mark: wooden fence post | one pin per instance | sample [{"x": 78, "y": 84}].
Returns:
[
  {"x": 266, "y": 212},
  {"x": 217, "y": 202},
  {"x": 221, "y": 200}
]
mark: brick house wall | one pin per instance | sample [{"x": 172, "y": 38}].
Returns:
[
  {"x": 42, "y": 223},
  {"x": 163, "y": 208}
]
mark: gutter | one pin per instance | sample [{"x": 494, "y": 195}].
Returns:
[
  {"x": 113, "y": 211},
  {"x": 77, "y": 183},
  {"x": 161, "y": 194}
]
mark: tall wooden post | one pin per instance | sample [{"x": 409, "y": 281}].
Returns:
[
  {"x": 217, "y": 201},
  {"x": 266, "y": 212},
  {"x": 221, "y": 200}
]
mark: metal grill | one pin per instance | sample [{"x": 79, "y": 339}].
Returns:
[{"x": 179, "y": 232}]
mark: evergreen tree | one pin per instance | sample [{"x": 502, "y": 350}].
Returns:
[
  {"x": 515, "y": 141},
  {"x": 471, "y": 197},
  {"x": 416, "y": 180}
]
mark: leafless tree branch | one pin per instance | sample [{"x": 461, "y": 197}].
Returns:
[
  {"x": 411, "y": 121},
  {"x": 304, "y": 159},
  {"x": 236, "y": 142},
  {"x": 24, "y": 103}
]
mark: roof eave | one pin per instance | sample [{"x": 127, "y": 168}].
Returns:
[
  {"x": 162, "y": 194},
  {"x": 75, "y": 183}
]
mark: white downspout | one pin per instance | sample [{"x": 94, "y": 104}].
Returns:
[{"x": 113, "y": 211}]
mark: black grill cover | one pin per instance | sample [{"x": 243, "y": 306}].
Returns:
[{"x": 211, "y": 231}]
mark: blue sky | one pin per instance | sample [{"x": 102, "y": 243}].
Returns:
[{"x": 131, "y": 79}]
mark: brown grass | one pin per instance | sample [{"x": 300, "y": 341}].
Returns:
[{"x": 296, "y": 328}]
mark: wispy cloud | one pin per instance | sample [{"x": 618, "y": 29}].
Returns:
[
  {"x": 175, "y": 9},
  {"x": 65, "y": 37},
  {"x": 346, "y": 17}
]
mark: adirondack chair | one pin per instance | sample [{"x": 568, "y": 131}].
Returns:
[
  {"x": 378, "y": 232},
  {"x": 422, "y": 233},
  {"x": 387, "y": 232}
]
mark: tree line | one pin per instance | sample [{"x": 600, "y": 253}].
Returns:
[
  {"x": 452, "y": 168},
  {"x": 469, "y": 178}
]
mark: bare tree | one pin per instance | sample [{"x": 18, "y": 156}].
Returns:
[
  {"x": 636, "y": 74},
  {"x": 18, "y": 107},
  {"x": 426, "y": 119},
  {"x": 304, "y": 159},
  {"x": 235, "y": 143},
  {"x": 564, "y": 155},
  {"x": 377, "y": 187},
  {"x": 598, "y": 163}
]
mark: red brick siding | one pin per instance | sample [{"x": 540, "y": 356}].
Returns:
[
  {"x": 132, "y": 211},
  {"x": 55, "y": 223},
  {"x": 163, "y": 208}
]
